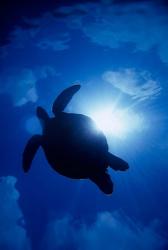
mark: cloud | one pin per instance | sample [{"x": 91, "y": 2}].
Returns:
[
  {"x": 44, "y": 34},
  {"x": 15, "y": 14},
  {"x": 21, "y": 84},
  {"x": 109, "y": 231},
  {"x": 12, "y": 235},
  {"x": 60, "y": 233},
  {"x": 111, "y": 25},
  {"x": 139, "y": 85},
  {"x": 56, "y": 45}
]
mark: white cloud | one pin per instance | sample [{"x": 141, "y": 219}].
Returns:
[
  {"x": 109, "y": 231},
  {"x": 12, "y": 235},
  {"x": 60, "y": 233},
  {"x": 110, "y": 25},
  {"x": 50, "y": 36},
  {"x": 21, "y": 85},
  {"x": 56, "y": 45},
  {"x": 44, "y": 34},
  {"x": 139, "y": 85}
]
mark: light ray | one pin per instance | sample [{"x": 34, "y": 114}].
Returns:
[{"x": 119, "y": 122}]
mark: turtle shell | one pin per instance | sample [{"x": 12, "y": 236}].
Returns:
[{"x": 74, "y": 146}]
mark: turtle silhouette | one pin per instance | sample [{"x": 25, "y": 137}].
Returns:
[{"x": 72, "y": 145}]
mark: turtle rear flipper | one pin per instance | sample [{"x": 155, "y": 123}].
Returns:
[
  {"x": 29, "y": 152},
  {"x": 116, "y": 163},
  {"x": 64, "y": 98},
  {"x": 103, "y": 181}
]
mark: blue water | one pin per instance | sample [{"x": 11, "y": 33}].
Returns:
[{"x": 118, "y": 53}]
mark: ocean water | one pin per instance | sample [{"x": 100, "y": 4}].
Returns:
[{"x": 117, "y": 51}]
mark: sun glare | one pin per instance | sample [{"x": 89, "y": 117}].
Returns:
[{"x": 118, "y": 123}]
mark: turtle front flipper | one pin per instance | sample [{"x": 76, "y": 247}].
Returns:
[
  {"x": 64, "y": 98},
  {"x": 30, "y": 150},
  {"x": 116, "y": 163}
]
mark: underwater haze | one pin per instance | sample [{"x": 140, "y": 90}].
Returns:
[{"x": 117, "y": 50}]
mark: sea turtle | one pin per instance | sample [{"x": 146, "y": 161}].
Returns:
[{"x": 72, "y": 145}]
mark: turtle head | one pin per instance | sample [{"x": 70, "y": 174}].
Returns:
[{"x": 42, "y": 115}]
